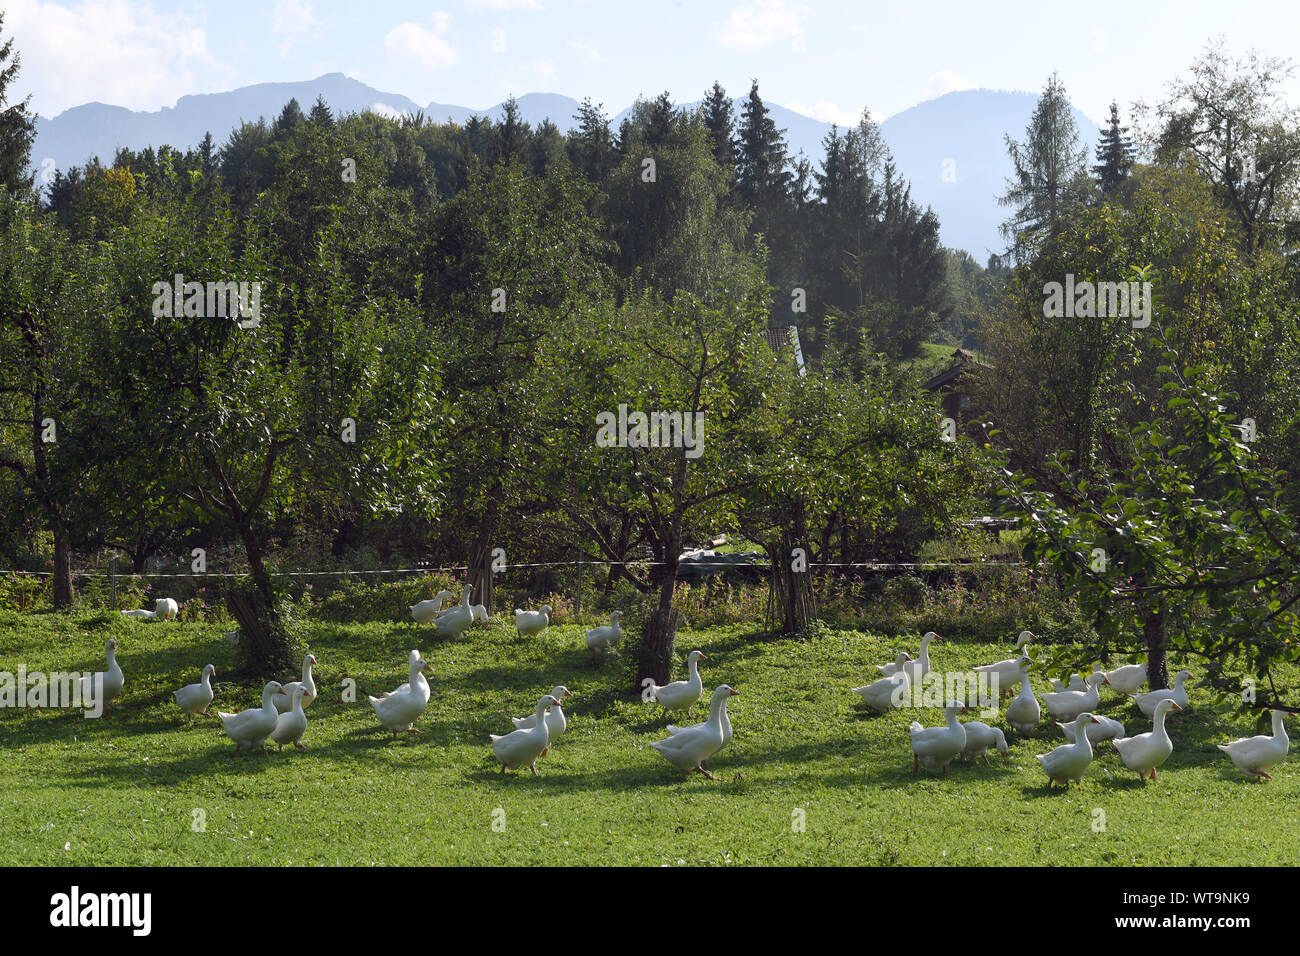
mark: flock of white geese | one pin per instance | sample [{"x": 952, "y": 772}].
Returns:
[
  {"x": 282, "y": 719},
  {"x": 282, "y": 716},
  {"x": 1071, "y": 707}
]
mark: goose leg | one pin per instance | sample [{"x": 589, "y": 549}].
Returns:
[
  {"x": 705, "y": 772},
  {"x": 533, "y": 768},
  {"x": 416, "y": 732},
  {"x": 916, "y": 763},
  {"x": 299, "y": 745}
]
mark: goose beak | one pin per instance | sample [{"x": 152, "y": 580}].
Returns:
[
  {"x": 1096, "y": 721},
  {"x": 735, "y": 693},
  {"x": 281, "y": 691},
  {"x": 568, "y": 693},
  {"x": 703, "y": 656},
  {"x": 427, "y": 669},
  {"x": 1176, "y": 707}
]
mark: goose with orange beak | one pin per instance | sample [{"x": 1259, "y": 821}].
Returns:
[
  {"x": 689, "y": 747},
  {"x": 522, "y": 747},
  {"x": 682, "y": 694}
]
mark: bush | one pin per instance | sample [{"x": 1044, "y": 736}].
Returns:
[{"x": 357, "y": 602}]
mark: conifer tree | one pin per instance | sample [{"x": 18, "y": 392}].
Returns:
[
  {"x": 17, "y": 127},
  {"x": 1115, "y": 153}
]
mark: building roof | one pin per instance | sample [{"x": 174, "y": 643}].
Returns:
[
  {"x": 962, "y": 360},
  {"x": 785, "y": 336}
]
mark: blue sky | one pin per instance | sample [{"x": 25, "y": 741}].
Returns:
[{"x": 824, "y": 59}]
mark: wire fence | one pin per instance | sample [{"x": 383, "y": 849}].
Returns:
[{"x": 442, "y": 569}]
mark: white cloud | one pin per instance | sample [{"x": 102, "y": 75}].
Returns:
[
  {"x": 422, "y": 46},
  {"x": 383, "y": 109},
  {"x": 946, "y": 81},
  {"x": 501, "y": 6},
  {"x": 758, "y": 26},
  {"x": 120, "y": 52},
  {"x": 293, "y": 22},
  {"x": 827, "y": 112}
]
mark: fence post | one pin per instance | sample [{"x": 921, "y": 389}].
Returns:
[
  {"x": 577, "y": 601},
  {"x": 112, "y": 584}
]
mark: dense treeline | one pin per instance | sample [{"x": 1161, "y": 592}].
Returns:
[{"x": 443, "y": 311}]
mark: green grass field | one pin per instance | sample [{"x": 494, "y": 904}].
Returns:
[{"x": 128, "y": 788}]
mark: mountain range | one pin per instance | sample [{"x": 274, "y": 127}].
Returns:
[{"x": 952, "y": 149}]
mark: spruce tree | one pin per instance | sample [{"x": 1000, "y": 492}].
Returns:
[
  {"x": 290, "y": 117},
  {"x": 1115, "y": 153},
  {"x": 17, "y": 127},
  {"x": 761, "y": 162},
  {"x": 720, "y": 118},
  {"x": 320, "y": 114}
]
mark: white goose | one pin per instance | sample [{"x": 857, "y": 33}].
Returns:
[
  {"x": 1258, "y": 755},
  {"x": 605, "y": 638},
  {"x": 726, "y": 732},
  {"x": 426, "y": 611},
  {"x": 400, "y": 709},
  {"x": 887, "y": 692},
  {"x": 1023, "y": 713},
  {"x": 918, "y": 668},
  {"x": 555, "y": 718},
  {"x": 455, "y": 621},
  {"x": 250, "y": 728},
  {"x": 165, "y": 609},
  {"x": 1178, "y": 694},
  {"x": 980, "y": 737},
  {"x": 689, "y": 747},
  {"x": 195, "y": 698},
  {"x": 308, "y": 685},
  {"x": 520, "y": 747},
  {"x": 528, "y": 623},
  {"x": 290, "y": 727},
  {"x": 1069, "y": 761},
  {"x": 1101, "y": 728},
  {"x": 140, "y": 614},
  {"x": 101, "y": 688},
  {"x": 1127, "y": 679},
  {"x": 1007, "y": 672},
  {"x": 1076, "y": 681},
  {"x": 682, "y": 694},
  {"x": 1066, "y": 705},
  {"x": 1145, "y": 752},
  {"x": 937, "y": 746},
  {"x": 479, "y": 613}
]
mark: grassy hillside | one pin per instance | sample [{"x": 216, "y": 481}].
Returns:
[{"x": 127, "y": 789}]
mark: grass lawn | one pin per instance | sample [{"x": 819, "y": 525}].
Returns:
[{"x": 127, "y": 788}]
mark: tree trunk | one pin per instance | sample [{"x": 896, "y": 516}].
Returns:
[
  {"x": 269, "y": 649},
  {"x": 1153, "y": 632},
  {"x": 659, "y": 639},
  {"x": 62, "y": 567},
  {"x": 791, "y": 604},
  {"x": 480, "y": 558}
]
